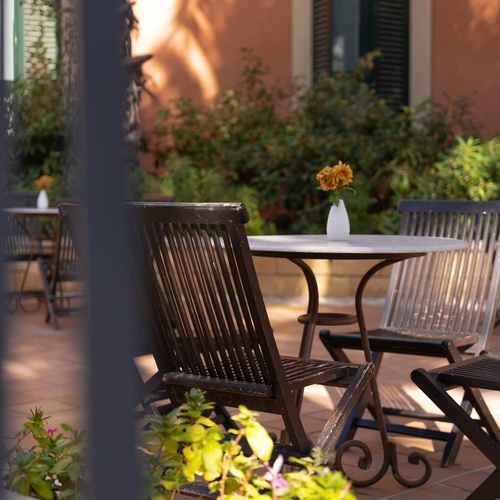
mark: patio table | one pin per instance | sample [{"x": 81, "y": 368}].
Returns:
[
  {"x": 387, "y": 250},
  {"x": 35, "y": 212},
  {"x": 43, "y": 244},
  {"x": 32, "y": 211}
]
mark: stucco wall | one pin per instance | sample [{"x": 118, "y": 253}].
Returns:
[
  {"x": 466, "y": 41},
  {"x": 197, "y": 44}
]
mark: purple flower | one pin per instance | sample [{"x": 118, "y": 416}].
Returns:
[
  {"x": 52, "y": 431},
  {"x": 273, "y": 473}
]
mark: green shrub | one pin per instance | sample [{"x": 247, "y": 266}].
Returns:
[
  {"x": 469, "y": 170},
  {"x": 42, "y": 108},
  {"x": 38, "y": 105},
  {"x": 54, "y": 467},
  {"x": 252, "y": 136},
  {"x": 185, "y": 446},
  {"x": 188, "y": 183},
  {"x": 174, "y": 449}
]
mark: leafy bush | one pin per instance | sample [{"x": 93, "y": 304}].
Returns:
[
  {"x": 54, "y": 467},
  {"x": 251, "y": 135},
  {"x": 174, "y": 450},
  {"x": 469, "y": 170},
  {"x": 185, "y": 446},
  {"x": 188, "y": 183},
  {"x": 40, "y": 110},
  {"x": 42, "y": 106}
]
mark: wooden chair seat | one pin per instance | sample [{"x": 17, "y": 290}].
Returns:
[
  {"x": 299, "y": 373},
  {"x": 420, "y": 344}
]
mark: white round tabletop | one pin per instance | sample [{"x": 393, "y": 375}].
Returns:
[
  {"x": 356, "y": 246},
  {"x": 32, "y": 211}
]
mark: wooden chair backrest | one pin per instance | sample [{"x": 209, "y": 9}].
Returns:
[
  {"x": 200, "y": 297},
  {"x": 454, "y": 292},
  {"x": 21, "y": 198},
  {"x": 67, "y": 264}
]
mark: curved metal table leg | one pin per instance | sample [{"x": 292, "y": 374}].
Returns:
[
  {"x": 390, "y": 451},
  {"x": 312, "y": 308}
]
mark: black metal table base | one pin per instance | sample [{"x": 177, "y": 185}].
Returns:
[{"x": 312, "y": 319}]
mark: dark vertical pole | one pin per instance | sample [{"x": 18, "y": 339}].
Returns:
[
  {"x": 3, "y": 172},
  {"x": 109, "y": 340}
]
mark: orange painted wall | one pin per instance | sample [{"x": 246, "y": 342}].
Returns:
[
  {"x": 196, "y": 45},
  {"x": 466, "y": 45}
]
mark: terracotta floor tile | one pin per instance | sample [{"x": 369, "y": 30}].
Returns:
[
  {"x": 430, "y": 491},
  {"x": 44, "y": 367},
  {"x": 468, "y": 481}
]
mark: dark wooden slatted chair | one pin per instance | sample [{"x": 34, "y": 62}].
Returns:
[
  {"x": 21, "y": 198},
  {"x": 441, "y": 305},
  {"x": 150, "y": 394},
  {"x": 62, "y": 276},
  {"x": 478, "y": 372},
  {"x": 204, "y": 315}
]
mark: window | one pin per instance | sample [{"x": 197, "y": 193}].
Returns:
[
  {"x": 7, "y": 32},
  {"x": 27, "y": 23},
  {"x": 344, "y": 30}
]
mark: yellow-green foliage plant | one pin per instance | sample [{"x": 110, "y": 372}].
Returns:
[
  {"x": 181, "y": 447},
  {"x": 185, "y": 446}
]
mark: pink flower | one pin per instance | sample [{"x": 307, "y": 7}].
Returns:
[
  {"x": 273, "y": 474},
  {"x": 52, "y": 431}
]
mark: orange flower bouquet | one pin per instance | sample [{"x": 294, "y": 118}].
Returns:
[
  {"x": 336, "y": 179},
  {"x": 44, "y": 182}
]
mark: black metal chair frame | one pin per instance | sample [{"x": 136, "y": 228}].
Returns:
[
  {"x": 436, "y": 305},
  {"x": 202, "y": 310},
  {"x": 62, "y": 268},
  {"x": 473, "y": 374}
]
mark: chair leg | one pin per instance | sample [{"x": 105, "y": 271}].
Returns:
[
  {"x": 485, "y": 417},
  {"x": 336, "y": 423},
  {"x": 45, "y": 271},
  {"x": 472, "y": 399},
  {"x": 456, "y": 436},
  {"x": 454, "y": 441},
  {"x": 438, "y": 395},
  {"x": 364, "y": 403}
]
